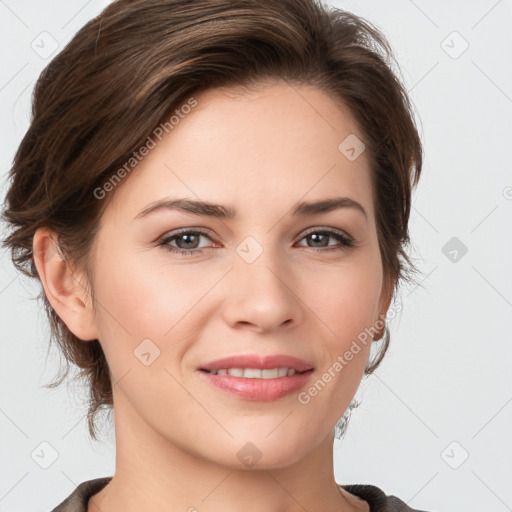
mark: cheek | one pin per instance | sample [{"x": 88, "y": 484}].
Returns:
[
  {"x": 138, "y": 299},
  {"x": 345, "y": 303},
  {"x": 345, "y": 299},
  {"x": 145, "y": 327}
]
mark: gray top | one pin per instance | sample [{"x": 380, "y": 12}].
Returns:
[{"x": 378, "y": 501}]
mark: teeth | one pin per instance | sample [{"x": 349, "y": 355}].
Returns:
[{"x": 256, "y": 373}]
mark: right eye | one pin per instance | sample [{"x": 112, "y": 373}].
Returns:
[{"x": 186, "y": 238}]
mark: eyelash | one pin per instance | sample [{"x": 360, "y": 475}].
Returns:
[{"x": 346, "y": 241}]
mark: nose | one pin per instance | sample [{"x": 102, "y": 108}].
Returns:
[{"x": 261, "y": 296}]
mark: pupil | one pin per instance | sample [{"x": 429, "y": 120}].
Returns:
[
  {"x": 185, "y": 237},
  {"x": 316, "y": 236}
]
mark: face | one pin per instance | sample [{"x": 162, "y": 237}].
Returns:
[{"x": 177, "y": 290}]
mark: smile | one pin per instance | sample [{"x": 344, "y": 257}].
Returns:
[{"x": 256, "y": 373}]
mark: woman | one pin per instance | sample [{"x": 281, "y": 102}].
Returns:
[{"x": 214, "y": 196}]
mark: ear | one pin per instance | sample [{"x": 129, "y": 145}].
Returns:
[
  {"x": 384, "y": 302},
  {"x": 64, "y": 288}
]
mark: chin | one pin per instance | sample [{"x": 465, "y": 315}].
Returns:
[{"x": 259, "y": 452}]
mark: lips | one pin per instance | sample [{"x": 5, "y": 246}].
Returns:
[
  {"x": 258, "y": 389},
  {"x": 258, "y": 362}
]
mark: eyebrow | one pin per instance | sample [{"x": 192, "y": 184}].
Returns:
[{"x": 225, "y": 212}]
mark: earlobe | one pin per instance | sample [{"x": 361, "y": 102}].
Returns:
[{"x": 63, "y": 286}]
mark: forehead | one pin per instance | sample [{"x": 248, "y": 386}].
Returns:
[{"x": 255, "y": 149}]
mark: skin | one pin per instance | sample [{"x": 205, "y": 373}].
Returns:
[{"x": 177, "y": 437}]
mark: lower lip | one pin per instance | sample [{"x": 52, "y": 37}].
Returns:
[{"x": 261, "y": 390}]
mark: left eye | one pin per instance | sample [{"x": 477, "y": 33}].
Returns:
[
  {"x": 187, "y": 240},
  {"x": 318, "y": 236}
]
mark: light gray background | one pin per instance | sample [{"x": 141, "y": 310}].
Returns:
[{"x": 444, "y": 389}]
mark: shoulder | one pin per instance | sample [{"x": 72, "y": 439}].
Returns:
[
  {"x": 377, "y": 499},
  {"x": 77, "y": 501}
]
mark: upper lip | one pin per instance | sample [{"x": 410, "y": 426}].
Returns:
[{"x": 258, "y": 361}]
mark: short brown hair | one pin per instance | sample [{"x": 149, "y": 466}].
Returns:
[{"x": 100, "y": 98}]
